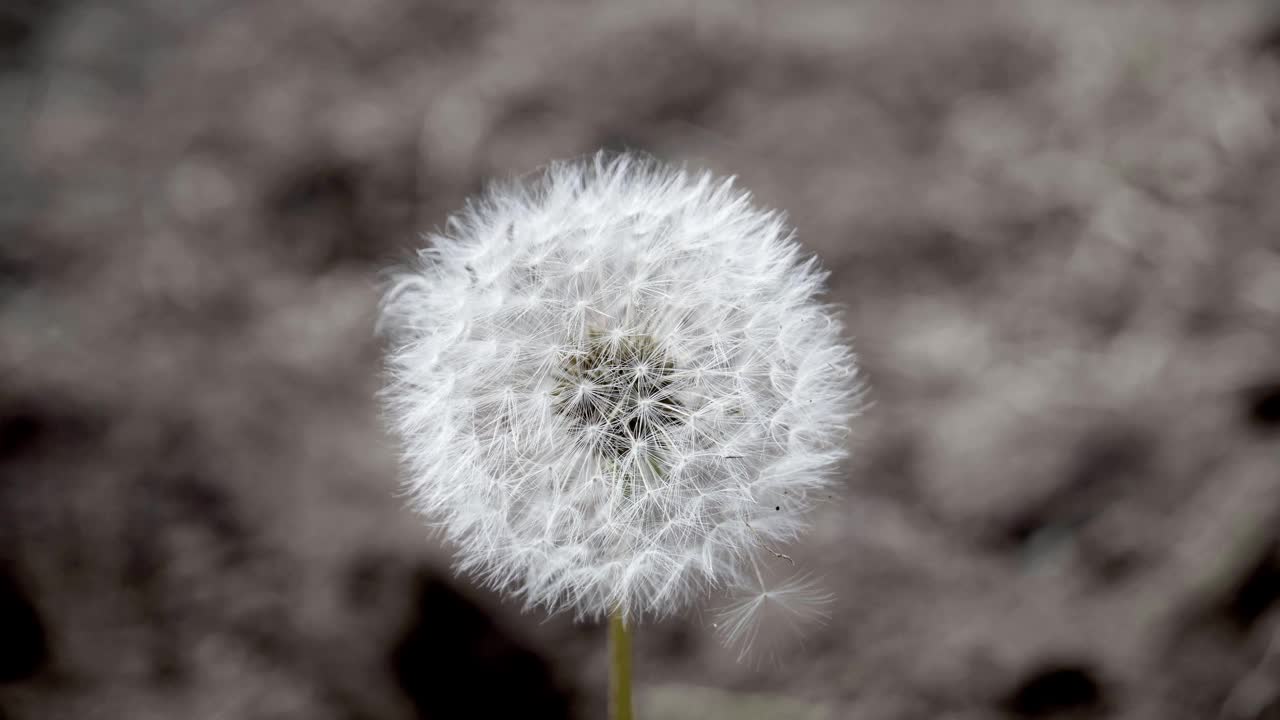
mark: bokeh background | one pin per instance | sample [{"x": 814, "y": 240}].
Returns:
[{"x": 1055, "y": 226}]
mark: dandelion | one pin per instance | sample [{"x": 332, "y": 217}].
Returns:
[{"x": 616, "y": 387}]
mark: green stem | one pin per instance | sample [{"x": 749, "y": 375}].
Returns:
[{"x": 619, "y": 669}]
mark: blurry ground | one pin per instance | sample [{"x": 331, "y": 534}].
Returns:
[{"x": 1055, "y": 225}]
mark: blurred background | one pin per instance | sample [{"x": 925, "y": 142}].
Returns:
[{"x": 1055, "y": 226}]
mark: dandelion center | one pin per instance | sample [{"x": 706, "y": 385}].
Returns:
[{"x": 618, "y": 392}]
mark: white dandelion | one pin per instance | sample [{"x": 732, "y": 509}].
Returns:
[{"x": 615, "y": 384}]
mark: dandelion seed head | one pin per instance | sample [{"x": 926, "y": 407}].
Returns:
[{"x": 602, "y": 377}]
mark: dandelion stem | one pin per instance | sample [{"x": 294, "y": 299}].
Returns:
[{"x": 619, "y": 668}]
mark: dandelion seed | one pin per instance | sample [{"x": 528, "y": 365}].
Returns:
[
  {"x": 601, "y": 378},
  {"x": 766, "y": 616}
]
